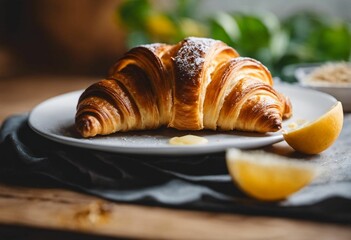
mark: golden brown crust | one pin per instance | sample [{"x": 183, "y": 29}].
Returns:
[
  {"x": 147, "y": 58},
  {"x": 193, "y": 65},
  {"x": 106, "y": 107},
  {"x": 241, "y": 91},
  {"x": 195, "y": 84}
]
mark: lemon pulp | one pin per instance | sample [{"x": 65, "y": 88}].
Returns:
[
  {"x": 268, "y": 176},
  {"x": 317, "y": 136}
]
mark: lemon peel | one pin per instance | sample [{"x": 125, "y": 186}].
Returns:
[{"x": 316, "y": 136}]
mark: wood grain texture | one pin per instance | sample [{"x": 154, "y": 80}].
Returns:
[{"x": 66, "y": 210}]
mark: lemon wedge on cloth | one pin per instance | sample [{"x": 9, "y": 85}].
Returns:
[{"x": 267, "y": 176}]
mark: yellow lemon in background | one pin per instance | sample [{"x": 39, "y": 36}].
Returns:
[
  {"x": 160, "y": 26},
  {"x": 317, "y": 136},
  {"x": 191, "y": 27},
  {"x": 267, "y": 176}
]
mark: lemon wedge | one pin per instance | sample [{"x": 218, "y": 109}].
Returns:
[
  {"x": 317, "y": 136},
  {"x": 266, "y": 176}
]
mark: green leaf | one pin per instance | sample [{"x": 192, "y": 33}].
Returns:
[
  {"x": 223, "y": 27},
  {"x": 185, "y": 8},
  {"x": 301, "y": 25},
  {"x": 332, "y": 42},
  {"x": 279, "y": 44},
  {"x": 254, "y": 34},
  {"x": 136, "y": 38},
  {"x": 133, "y": 13}
]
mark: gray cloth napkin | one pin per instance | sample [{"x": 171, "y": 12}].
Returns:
[{"x": 189, "y": 182}]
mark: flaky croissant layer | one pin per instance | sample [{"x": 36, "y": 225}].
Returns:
[{"x": 199, "y": 83}]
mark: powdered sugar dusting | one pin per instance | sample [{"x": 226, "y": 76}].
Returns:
[
  {"x": 153, "y": 47},
  {"x": 190, "y": 56}
]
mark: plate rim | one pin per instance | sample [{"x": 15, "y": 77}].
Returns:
[{"x": 164, "y": 150}]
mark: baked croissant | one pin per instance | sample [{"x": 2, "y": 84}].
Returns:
[{"x": 196, "y": 84}]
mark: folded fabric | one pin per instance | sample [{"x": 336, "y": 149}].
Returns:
[{"x": 190, "y": 182}]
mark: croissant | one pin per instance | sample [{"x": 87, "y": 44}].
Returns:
[{"x": 198, "y": 83}]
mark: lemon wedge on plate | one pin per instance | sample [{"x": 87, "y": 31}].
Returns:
[
  {"x": 317, "y": 136},
  {"x": 267, "y": 176}
]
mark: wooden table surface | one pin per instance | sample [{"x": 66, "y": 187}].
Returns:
[{"x": 54, "y": 213}]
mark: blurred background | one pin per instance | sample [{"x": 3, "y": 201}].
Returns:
[{"x": 85, "y": 37}]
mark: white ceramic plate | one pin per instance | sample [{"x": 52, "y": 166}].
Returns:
[
  {"x": 340, "y": 92},
  {"x": 54, "y": 119}
]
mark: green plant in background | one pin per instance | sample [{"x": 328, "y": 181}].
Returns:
[
  {"x": 259, "y": 36},
  {"x": 146, "y": 24},
  {"x": 300, "y": 38},
  {"x": 313, "y": 38}
]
